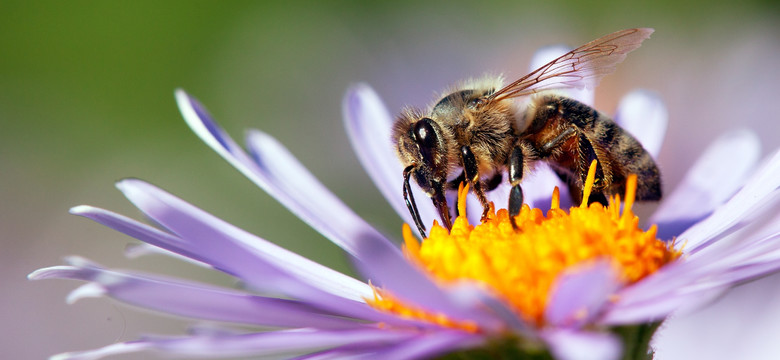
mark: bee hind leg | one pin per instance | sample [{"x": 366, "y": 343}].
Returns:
[
  {"x": 587, "y": 156},
  {"x": 575, "y": 190}
]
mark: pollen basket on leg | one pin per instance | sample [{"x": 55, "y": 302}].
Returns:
[{"x": 521, "y": 267}]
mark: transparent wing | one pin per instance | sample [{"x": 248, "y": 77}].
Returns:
[{"x": 581, "y": 67}]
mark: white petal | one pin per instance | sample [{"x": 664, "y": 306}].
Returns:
[
  {"x": 644, "y": 115},
  {"x": 716, "y": 176}
]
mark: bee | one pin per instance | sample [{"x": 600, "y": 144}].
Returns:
[{"x": 478, "y": 132}]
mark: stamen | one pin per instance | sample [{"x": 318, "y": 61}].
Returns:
[
  {"x": 463, "y": 191},
  {"x": 411, "y": 245},
  {"x": 589, "y": 181},
  {"x": 522, "y": 267}
]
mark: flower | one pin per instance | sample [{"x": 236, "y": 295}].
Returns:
[{"x": 720, "y": 216}]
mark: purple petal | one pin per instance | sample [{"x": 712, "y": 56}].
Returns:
[
  {"x": 470, "y": 293},
  {"x": 406, "y": 282},
  {"x": 550, "y": 53},
  {"x": 160, "y": 240},
  {"x": 580, "y": 294},
  {"x": 274, "y": 169},
  {"x": 189, "y": 299},
  {"x": 252, "y": 344},
  {"x": 254, "y": 260},
  {"x": 757, "y": 197},
  {"x": 579, "y": 345},
  {"x": 270, "y": 267},
  {"x": 225, "y": 252},
  {"x": 429, "y": 346},
  {"x": 137, "y": 250},
  {"x": 290, "y": 181},
  {"x": 644, "y": 115},
  {"x": 369, "y": 127},
  {"x": 709, "y": 183},
  {"x": 377, "y": 258}
]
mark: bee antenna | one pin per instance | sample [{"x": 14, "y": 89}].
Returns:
[{"x": 409, "y": 197}]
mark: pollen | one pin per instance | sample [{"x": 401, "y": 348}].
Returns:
[{"x": 521, "y": 265}]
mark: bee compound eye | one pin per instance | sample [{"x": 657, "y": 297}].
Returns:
[
  {"x": 427, "y": 141},
  {"x": 424, "y": 134}
]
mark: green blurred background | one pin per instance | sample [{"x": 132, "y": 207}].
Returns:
[{"x": 86, "y": 98}]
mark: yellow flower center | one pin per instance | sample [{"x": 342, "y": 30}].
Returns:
[{"x": 521, "y": 266}]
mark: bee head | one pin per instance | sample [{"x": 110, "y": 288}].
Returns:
[
  {"x": 420, "y": 144},
  {"x": 422, "y": 150}
]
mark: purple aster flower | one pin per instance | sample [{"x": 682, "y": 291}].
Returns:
[{"x": 719, "y": 220}]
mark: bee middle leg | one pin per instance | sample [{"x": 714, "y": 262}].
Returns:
[
  {"x": 471, "y": 171},
  {"x": 516, "y": 166}
]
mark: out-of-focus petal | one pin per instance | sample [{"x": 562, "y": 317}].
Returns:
[
  {"x": 369, "y": 125},
  {"x": 429, "y": 346},
  {"x": 640, "y": 309},
  {"x": 253, "y": 344},
  {"x": 643, "y": 114},
  {"x": 137, "y": 250},
  {"x": 577, "y": 345},
  {"x": 580, "y": 294},
  {"x": 113, "y": 349},
  {"x": 716, "y": 176},
  {"x": 757, "y": 197},
  {"x": 190, "y": 299},
  {"x": 688, "y": 285}
]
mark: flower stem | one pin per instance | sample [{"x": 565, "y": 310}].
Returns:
[
  {"x": 636, "y": 340},
  {"x": 506, "y": 349}
]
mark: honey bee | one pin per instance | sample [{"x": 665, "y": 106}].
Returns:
[{"x": 478, "y": 132}]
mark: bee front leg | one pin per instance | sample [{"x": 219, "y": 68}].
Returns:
[{"x": 471, "y": 170}]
